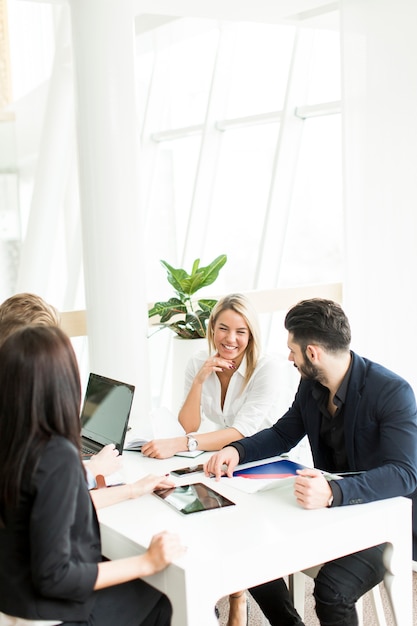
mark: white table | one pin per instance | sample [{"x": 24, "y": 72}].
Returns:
[{"x": 265, "y": 536}]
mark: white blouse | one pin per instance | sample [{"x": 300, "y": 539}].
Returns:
[{"x": 250, "y": 410}]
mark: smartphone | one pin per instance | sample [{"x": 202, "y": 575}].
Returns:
[{"x": 188, "y": 470}]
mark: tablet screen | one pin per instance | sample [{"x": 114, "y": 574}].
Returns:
[{"x": 193, "y": 498}]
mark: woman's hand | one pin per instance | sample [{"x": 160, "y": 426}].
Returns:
[
  {"x": 163, "y": 549},
  {"x": 105, "y": 462},
  {"x": 164, "y": 448},
  {"x": 148, "y": 484},
  {"x": 214, "y": 364},
  {"x": 190, "y": 413},
  {"x": 119, "y": 493}
]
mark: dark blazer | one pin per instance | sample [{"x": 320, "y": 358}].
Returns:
[
  {"x": 50, "y": 546},
  {"x": 380, "y": 426}
]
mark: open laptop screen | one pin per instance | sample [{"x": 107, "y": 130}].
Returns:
[{"x": 106, "y": 410}]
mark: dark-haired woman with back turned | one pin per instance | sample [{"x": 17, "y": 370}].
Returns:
[{"x": 51, "y": 569}]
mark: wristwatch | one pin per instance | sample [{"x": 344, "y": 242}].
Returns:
[{"x": 192, "y": 443}]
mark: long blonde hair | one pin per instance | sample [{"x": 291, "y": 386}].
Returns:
[{"x": 240, "y": 304}]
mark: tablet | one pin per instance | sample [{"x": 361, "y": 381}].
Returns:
[
  {"x": 194, "y": 498},
  {"x": 192, "y": 454},
  {"x": 188, "y": 470}
]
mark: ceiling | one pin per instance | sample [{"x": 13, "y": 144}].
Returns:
[{"x": 320, "y": 13}]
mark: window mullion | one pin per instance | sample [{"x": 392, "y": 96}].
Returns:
[
  {"x": 284, "y": 166},
  {"x": 199, "y": 214}
]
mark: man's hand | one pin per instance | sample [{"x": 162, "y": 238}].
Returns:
[
  {"x": 311, "y": 489},
  {"x": 214, "y": 467}
]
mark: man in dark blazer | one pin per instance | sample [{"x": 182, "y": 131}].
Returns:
[{"x": 359, "y": 417}]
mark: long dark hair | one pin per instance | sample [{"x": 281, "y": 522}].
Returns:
[{"x": 40, "y": 396}]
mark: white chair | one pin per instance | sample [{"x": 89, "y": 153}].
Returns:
[{"x": 296, "y": 584}]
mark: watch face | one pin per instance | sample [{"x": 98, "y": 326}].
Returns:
[{"x": 192, "y": 444}]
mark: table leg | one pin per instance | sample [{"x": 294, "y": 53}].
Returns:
[{"x": 398, "y": 583}]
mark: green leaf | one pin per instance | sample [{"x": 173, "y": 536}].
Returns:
[
  {"x": 183, "y": 331},
  {"x": 197, "y": 322},
  {"x": 194, "y": 323},
  {"x": 205, "y": 276},
  {"x": 193, "y": 326},
  {"x": 166, "y": 310},
  {"x": 177, "y": 278},
  {"x": 195, "y": 266},
  {"x": 207, "y": 305},
  {"x": 187, "y": 284}
]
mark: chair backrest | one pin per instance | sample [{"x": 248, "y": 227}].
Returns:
[{"x": 74, "y": 323}]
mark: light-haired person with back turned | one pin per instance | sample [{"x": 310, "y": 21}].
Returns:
[
  {"x": 28, "y": 308},
  {"x": 359, "y": 417},
  {"x": 24, "y": 309}
]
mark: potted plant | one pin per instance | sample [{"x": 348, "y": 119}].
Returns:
[{"x": 186, "y": 317}]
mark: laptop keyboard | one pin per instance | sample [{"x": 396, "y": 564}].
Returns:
[{"x": 86, "y": 450}]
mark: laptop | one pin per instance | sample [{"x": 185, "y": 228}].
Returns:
[{"x": 105, "y": 414}]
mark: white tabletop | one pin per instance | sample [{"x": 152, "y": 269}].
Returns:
[{"x": 265, "y": 536}]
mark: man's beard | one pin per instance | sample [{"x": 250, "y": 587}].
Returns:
[{"x": 310, "y": 371}]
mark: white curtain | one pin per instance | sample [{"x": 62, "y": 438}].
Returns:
[{"x": 379, "y": 91}]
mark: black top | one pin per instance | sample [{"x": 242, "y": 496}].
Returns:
[
  {"x": 50, "y": 546},
  {"x": 380, "y": 435},
  {"x": 332, "y": 429}
]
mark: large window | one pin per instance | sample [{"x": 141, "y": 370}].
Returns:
[
  {"x": 242, "y": 154},
  {"x": 240, "y": 135},
  {"x": 241, "y": 145}
]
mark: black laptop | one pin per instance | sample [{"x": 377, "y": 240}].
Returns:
[{"x": 105, "y": 414}]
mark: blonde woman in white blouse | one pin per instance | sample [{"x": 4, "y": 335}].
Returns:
[{"x": 231, "y": 393}]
